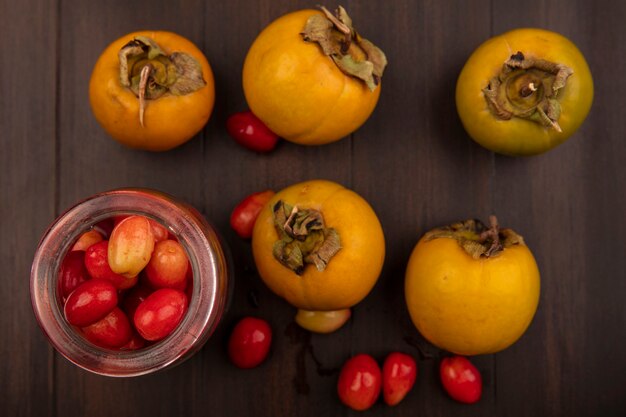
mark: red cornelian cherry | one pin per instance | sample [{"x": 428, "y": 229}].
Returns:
[
  {"x": 90, "y": 302},
  {"x": 104, "y": 227},
  {"x": 73, "y": 272},
  {"x": 359, "y": 382},
  {"x": 250, "y": 132},
  {"x": 168, "y": 265},
  {"x": 461, "y": 379},
  {"x": 399, "y": 374},
  {"x": 136, "y": 342},
  {"x": 134, "y": 298},
  {"x": 159, "y": 231},
  {"x": 244, "y": 215},
  {"x": 97, "y": 264},
  {"x": 87, "y": 239},
  {"x": 250, "y": 342},
  {"x": 130, "y": 245},
  {"x": 113, "y": 331},
  {"x": 160, "y": 313}
]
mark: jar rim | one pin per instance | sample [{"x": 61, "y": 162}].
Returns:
[{"x": 209, "y": 263}]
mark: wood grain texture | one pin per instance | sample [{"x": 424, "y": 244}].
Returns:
[
  {"x": 412, "y": 161},
  {"x": 563, "y": 202},
  {"x": 28, "y": 74}
]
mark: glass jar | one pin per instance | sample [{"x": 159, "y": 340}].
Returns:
[{"x": 209, "y": 261}]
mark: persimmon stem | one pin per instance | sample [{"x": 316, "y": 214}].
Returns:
[
  {"x": 143, "y": 84},
  {"x": 492, "y": 233},
  {"x": 149, "y": 73},
  {"x": 342, "y": 27},
  {"x": 293, "y": 213},
  {"x": 354, "y": 56},
  {"x": 528, "y": 89},
  {"x": 477, "y": 239},
  {"x": 303, "y": 238},
  {"x": 553, "y": 123}
]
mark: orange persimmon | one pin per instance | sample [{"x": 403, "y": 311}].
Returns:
[{"x": 152, "y": 90}]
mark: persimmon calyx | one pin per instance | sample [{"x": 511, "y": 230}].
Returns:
[
  {"x": 528, "y": 88},
  {"x": 477, "y": 239},
  {"x": 354, "y": 55},
  {"x": 150, "y": 73},
  {"x": 303, "y": 238}
]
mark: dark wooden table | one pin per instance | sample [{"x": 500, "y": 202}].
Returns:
[{"x": 412, "y": 160}]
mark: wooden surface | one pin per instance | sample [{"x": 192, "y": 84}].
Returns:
[{"x": 413, "y": 162}]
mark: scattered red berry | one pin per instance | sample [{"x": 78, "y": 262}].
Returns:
[
  {"x": 249, "y": 131},
  {"x": 461, "y": 379},
  {"x": 90, "y": 302},
  {"x": 246, "y": 212},
  {"x": 399, "y": 373},
  {"x": 359, "y": 382},
  {"x": 249, "y": 342}
]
